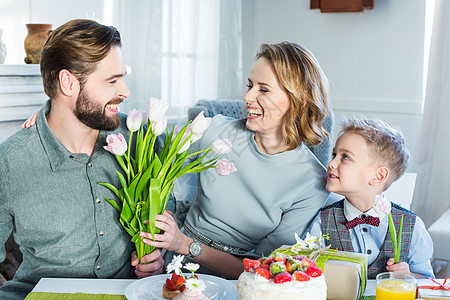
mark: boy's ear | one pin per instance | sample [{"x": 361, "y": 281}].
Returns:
[
  {"x": 68, "y": 83},
  {"x": 380, "y": 176}
]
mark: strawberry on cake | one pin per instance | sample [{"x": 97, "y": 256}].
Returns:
[{"x": 174, "y": 286}]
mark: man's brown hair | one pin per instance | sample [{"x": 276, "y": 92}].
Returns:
[{"x": 76, "y": 46}]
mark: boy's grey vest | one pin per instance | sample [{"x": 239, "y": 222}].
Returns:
[{"x": 333, "y": 223}]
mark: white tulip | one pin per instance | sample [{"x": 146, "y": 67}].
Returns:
[
  {"x": 200, "y": 123},
  {"x": 156, "y": 110},
  {"x": 159, "y": 127}
]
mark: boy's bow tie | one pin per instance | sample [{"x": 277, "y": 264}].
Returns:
[{"x": 374, "y": 221}]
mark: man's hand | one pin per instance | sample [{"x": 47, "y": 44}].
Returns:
[
  {"x": 401, "y": 267},
  {"x": 152, "y": 264}
]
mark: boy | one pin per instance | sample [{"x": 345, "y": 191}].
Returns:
[{"x": 368, "y": 157}]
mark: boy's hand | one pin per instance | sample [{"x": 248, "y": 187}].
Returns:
[{"x": 401, "y": 267}]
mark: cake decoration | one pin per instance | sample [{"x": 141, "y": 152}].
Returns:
[{"x": 179, "y": 286}]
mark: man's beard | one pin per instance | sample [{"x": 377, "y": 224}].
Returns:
[{"x": 92, "y": 114}]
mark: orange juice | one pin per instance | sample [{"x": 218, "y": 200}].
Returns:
[{"x": 395, "y": 289}]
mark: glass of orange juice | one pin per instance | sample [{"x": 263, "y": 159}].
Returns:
[{"x": 395, "y": 286}]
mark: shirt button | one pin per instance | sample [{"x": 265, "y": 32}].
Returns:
[
  {"x": 98, "y": 200},
  {"x": 369, "y": 251},
  {"x": 98, "y": 267},
  {"x": 364, "y": 229},
  {"x": 89, "y": 165},
  {"x": 101, "y": 233}
]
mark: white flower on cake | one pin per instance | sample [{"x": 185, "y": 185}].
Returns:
[
  {"x": 301, "y": 243},
  {"x": 195, "y": 285},
  {"x": 175, "y": 264},
  {"x": 311, "y": 241},
  {"x": 191, "y": 267}
]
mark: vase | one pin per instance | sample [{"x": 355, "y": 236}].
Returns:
[
  {"x": 2, "y": 48},
  {"x": 35, "y": 40}
]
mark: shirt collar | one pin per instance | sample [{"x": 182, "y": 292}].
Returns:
[
  {"x": 351, "y": 212},
  {"x": 56, "y": 152}
]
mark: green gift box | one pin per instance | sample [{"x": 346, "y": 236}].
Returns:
[{"x": 345, "y": 272}]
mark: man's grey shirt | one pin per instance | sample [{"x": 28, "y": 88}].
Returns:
[{"x": 51, "y": 200}]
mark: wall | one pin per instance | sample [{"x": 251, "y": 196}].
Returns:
[
  {"x": 374, "y": 59},
  {"x": 16, "y": 98}
]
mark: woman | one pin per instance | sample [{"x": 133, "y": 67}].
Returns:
[{"x": 279, "y": 185}]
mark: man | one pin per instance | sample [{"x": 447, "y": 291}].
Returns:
[{"x": 49, "y": 192}]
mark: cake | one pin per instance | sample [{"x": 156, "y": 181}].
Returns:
[
  {"x": 179, "y": 286},
  {"x": 272, "y": 279},
  {"x": 283, "y": 275},
  {"x": 173, "y": 286},
  {"x": 191, "y": 295}
]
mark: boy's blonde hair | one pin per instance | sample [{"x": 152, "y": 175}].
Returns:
[{"x": 386, "y": 144}]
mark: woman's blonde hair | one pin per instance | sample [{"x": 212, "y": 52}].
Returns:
[
  {"x": 76, "y": 46},
  {"x": 300, "y": 74}
]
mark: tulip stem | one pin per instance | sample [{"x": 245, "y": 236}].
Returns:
[{"x": 198, "y": 152}]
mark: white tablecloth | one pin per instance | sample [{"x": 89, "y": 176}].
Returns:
[{"x": 109, "y": 286}]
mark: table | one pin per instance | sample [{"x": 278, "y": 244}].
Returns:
[
  {"x": 111, "y": 286},
  {"x": 80, "y": 285}
]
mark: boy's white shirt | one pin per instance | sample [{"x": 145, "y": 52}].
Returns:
[{"x": 351, "y": 212}]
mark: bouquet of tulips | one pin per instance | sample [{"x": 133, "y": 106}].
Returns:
[{"x": 148, "y": 178}]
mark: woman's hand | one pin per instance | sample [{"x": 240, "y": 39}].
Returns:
[
  {"x": 152, "y": 264},
  {"x": 30, "y": 121},
  {"x": 171, "y": 237}
]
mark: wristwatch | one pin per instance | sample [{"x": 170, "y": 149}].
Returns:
[{"x": 195, "y": 249}]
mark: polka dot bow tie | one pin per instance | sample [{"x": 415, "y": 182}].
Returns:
[{"x": 374, "y": 221}]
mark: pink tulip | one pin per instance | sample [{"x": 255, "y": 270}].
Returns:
[
  {"x": 224, "y": 167},
  {"x": 222, "y": 146},
  {"x": 381, "y": 206},
  {"x": 117, "y": 144},
  {"x": 144, "y": 117},
  {"x": 134, "y": 120}
]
